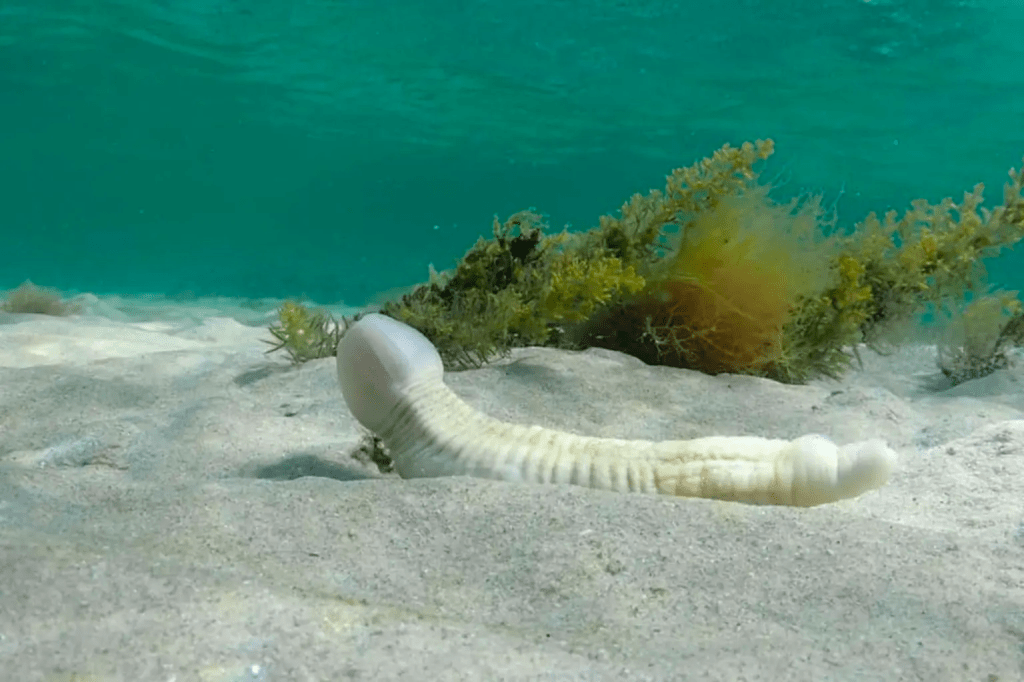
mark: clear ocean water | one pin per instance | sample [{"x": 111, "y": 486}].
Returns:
[{"x": 333, "y": 149}]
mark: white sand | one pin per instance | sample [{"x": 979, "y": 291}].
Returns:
[{"x": 177, "y": 505}]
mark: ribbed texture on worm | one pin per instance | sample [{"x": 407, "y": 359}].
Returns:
[{"x": 435, "y": 433}]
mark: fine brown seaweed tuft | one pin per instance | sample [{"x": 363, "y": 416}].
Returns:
[
  {"x": 979, "y": 338},
  {"x": 720, "y": 301},
  {"x": 29, "y": 298}
]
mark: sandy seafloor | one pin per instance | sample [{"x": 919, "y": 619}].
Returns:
[{"x": 177, "y": 505}]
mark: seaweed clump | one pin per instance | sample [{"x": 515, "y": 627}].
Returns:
[
  {"x": 980, "y": 337},
  {"x": 890, "y": 270},
  {"x": 305, "y": 334},
  {"x": 733, "y": 264},
  {"x": 712, "y": 274},
  {"x": 522, "y": 287},
  {"x": 29, "y": 298},
  {"x": 748, "y": 288}
]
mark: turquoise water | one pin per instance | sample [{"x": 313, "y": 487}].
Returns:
[{"x": 333, "y": 149}]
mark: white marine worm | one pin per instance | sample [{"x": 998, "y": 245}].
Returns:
[{"x": 392, "y": 379}]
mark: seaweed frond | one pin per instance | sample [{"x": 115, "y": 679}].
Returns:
[
  {"x": 305, "y": 334},
  {"x": 980, "y": 337},
  {"x": 892, "y": 269},
  {"x": 637, "y": 235},
  {"x": 931, "y": 255},
  {"x": 517, "y": 289},
  {"x": 574, "y": 288}
]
